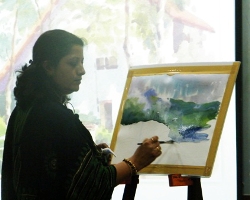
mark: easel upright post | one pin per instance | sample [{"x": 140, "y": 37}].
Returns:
[
  {"x": 194, "y": 190},
  {"x": 130, "y": 188}
]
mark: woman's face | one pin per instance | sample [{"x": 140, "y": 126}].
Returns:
[{"x": 68, "y": 74}]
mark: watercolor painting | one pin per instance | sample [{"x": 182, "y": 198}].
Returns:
[
  {"x": 185, "y": 107},
  {"x": 155, "y": 98}
]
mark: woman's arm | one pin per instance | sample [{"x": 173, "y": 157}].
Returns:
[{"x": 143, "y": 156}]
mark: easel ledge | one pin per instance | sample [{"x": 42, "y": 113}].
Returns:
[{"x": 194, "y": 186}]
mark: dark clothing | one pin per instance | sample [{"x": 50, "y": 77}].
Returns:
[{"x": 49, "y": 154}]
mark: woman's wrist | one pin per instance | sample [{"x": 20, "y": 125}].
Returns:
[{"x": 131, "y": 166}]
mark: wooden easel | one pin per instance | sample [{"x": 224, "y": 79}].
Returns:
[{"x": 194, "y": 190}]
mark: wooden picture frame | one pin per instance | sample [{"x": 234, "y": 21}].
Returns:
[{"x": 185, "y": 103}]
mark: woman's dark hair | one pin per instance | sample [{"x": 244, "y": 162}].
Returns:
[{"x": 33, "y": 82}]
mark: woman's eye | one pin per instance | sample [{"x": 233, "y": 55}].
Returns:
[{"x": 73, "y": 64}]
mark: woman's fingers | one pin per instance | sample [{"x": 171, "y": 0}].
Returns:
[
  {"x": 153, "y": 144},
  {"x": 102, "y": 145},
  {"x": 154, "y": 139},
  {"x": 158, "y": 151},
  {"x": 148, "y": 151}
]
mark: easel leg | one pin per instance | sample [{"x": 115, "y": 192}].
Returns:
[
  {"x": 130, "y": 188},
  {"x": 194, "y": 190}
]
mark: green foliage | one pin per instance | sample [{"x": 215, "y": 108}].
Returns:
[
  {"x": 184, "y": 119},
  {"x": 133, "y": 112},
  {"x": 2, "y": 127},
  {"x": 180, "y": 3},
  {"x": 101, "y": 24},
  {"x": 90, "y": 118},
  {"x": 178, "y": 114},
  {"x": 103, "y": 136},
  {"x": 191, "y": 113},
  {"x": 2, "y": 133}
]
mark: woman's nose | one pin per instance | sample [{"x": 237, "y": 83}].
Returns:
[{"x": 81, "y": 71}]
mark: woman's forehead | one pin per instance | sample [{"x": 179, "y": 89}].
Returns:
[{"x": 75, "y": 51}]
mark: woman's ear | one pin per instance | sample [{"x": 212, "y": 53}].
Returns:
[{"x": 48, "y": 68}]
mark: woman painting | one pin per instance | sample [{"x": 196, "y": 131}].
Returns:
[{"x": 48, "y": 153}]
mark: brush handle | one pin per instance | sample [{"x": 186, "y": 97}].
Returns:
[{"x": 161, "y": 142}]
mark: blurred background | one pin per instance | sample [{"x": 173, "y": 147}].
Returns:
[{"x": 120, "y": 34}]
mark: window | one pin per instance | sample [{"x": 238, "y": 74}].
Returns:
[{"x": 121, "y": 34}]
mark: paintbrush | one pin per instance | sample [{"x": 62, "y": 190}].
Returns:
[{"x": 161, "y": 142}]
